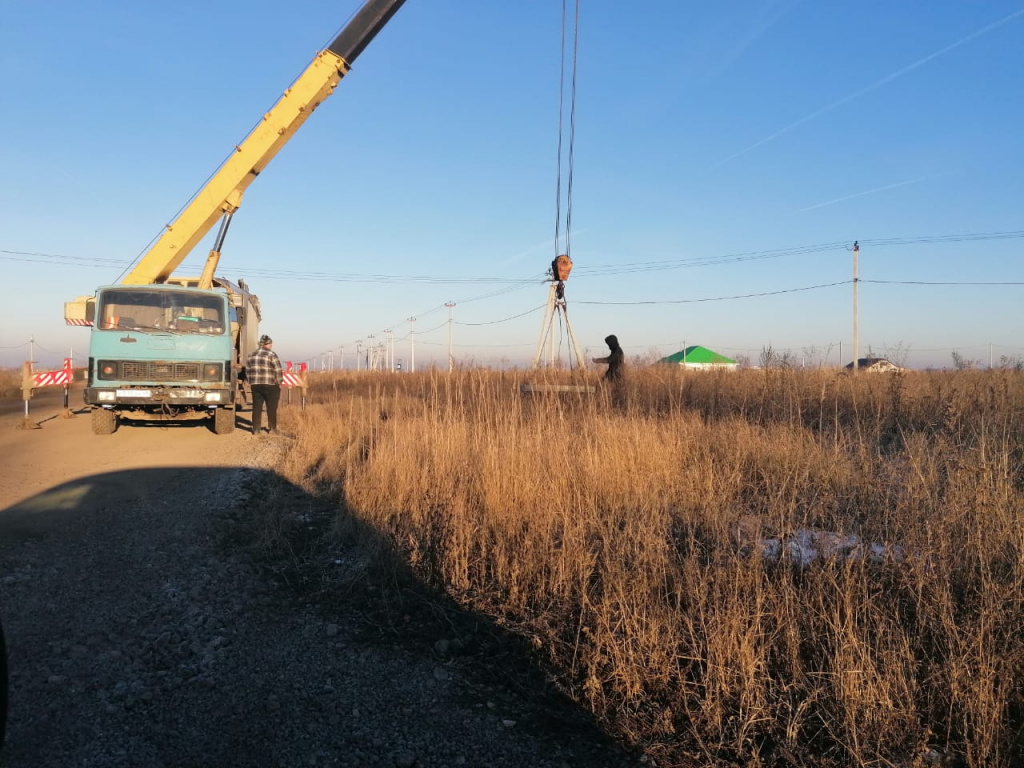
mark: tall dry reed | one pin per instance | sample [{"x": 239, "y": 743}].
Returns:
[{"x": 629, "y": 534}]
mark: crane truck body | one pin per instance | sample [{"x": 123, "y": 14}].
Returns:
[{"x": 164, "y": 347}]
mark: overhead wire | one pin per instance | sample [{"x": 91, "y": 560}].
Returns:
[
  {"x": 505, "y": 319},
  {"x": 516, "y": 284},
  {"x": 579, "y": 270},
  {"x": 720, "y": 298},
  {"x": 941, "y": 282}
]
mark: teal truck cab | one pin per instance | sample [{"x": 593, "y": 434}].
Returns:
[{"x": 169, "y": 352}]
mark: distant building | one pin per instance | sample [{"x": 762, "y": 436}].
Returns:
[
  {"x": 700, "y": 358},
  {"x": 874, "y": 365}
]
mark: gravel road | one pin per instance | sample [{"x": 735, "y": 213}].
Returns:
[{"x": 139, "y": 636}]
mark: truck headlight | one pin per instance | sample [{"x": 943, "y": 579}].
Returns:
[
  {"x": 106, "y": 369},
  {"x": 104, "y": 396},
  {"x": 213, "y": 397},
  {"x": 213, "y": 372}
]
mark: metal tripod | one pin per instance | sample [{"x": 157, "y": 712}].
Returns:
[{"x": 556, "y": 303}]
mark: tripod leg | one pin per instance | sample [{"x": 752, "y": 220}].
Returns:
[
  {"x": 580, "y": 363},
  {"x": 545, "y": 329}
]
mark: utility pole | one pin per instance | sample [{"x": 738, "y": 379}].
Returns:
[
  {"x": 341, "y": 358},
  {"x": 412, "y": 345},
  {"x": 369, "y": 352},
  {"x": 389, "y": 352},
  {"x": 856, "y": 330},
  {"x": 358, "y": 343},
  {"x": 451, "y": 360},
  {"x": 32, "y": 352}
]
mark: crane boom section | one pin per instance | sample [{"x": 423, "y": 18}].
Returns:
[{"x": 223, "y": 193}]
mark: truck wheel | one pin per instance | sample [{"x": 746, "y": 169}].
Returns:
[
  {"x": 224, "y": 421},
  {"x": 104, "y": 422}
]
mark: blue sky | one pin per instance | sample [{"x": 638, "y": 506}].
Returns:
[{"x": 721, "y": 149}]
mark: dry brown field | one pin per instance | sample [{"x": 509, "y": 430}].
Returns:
[
  {"x": 646, "y": 540},
  {"x": 10, "y": 382}
]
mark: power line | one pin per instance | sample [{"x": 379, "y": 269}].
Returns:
[
  {"x": 585, "y": 270},
  {"x": 505, "y": 320},
  {"x": 721, "y": 298},
  {"x": 936, "y": 282}
]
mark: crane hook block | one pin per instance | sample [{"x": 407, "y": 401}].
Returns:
[{"x": 561, "y": 267}]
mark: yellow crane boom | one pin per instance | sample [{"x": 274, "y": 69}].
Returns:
[{"x": 222, "y": 195}]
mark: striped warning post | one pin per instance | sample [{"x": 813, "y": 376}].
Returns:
[{"x": 73, "y": 321}]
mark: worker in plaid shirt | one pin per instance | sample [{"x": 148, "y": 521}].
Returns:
[{"x": 264, "y": 374}]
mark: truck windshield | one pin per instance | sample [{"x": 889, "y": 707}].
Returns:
[{"x": 162, "y": 311}]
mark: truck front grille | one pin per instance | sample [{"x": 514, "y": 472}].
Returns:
[{"x": 143, "y": 370}]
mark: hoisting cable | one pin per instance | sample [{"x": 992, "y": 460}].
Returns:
[
  {"x": 561, "y": 132},
  {"x": 572, "y": 128}
]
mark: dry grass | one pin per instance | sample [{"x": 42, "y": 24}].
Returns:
[
  {"x": 619, "y": 533},
  {"x": 10, "y": 382}
]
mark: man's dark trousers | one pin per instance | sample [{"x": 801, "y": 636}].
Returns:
[{"x": 269, "y": 394}]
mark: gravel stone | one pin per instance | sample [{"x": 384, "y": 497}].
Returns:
[{"x": 137, "y": 638}]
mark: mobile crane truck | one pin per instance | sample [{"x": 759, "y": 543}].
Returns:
[{"x": 170, "y": 348}]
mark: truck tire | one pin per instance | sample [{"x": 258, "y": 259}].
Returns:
[
  {"x": 224, "y": 421},
  {"x": 104, "y": 422}
]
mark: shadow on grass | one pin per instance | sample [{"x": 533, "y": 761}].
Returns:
[
  {"x": 78, "y": 560},
  {"x": 332, "y": 560}
]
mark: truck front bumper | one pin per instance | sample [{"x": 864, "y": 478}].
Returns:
[{"x": 157, "y": 397}]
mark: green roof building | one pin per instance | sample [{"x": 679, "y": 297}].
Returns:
[{"x": 701, "y": 358}]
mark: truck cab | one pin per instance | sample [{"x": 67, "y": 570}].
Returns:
[{"x": 168, "y": 352}]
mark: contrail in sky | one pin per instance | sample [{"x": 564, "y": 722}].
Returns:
[
  {"x": 534, "y": 249},
  {"x": 867, "y": 192},
  {"x": 877, "y": 84}
]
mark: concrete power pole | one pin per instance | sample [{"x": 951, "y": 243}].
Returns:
[
  {"x": 412, "y": 345},
  {"x": 369, "y": 352},
  {"x": 389, "y": 350},
  {"x": 856, "y": 330},
  {"x": 451, "y": 359},
  {"x": 358, "y": 343}
]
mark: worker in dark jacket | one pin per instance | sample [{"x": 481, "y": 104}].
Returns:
[
  {"x": 264, "y": 374},
  {"x": 615, "y": 360}
]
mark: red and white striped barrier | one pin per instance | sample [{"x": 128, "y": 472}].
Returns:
[
  {"x": 72, "y": 321},
  {"x": 53, "y": 378},
  {"x": 31, "y": 379},
  {"x": 294, "y": 378}
]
